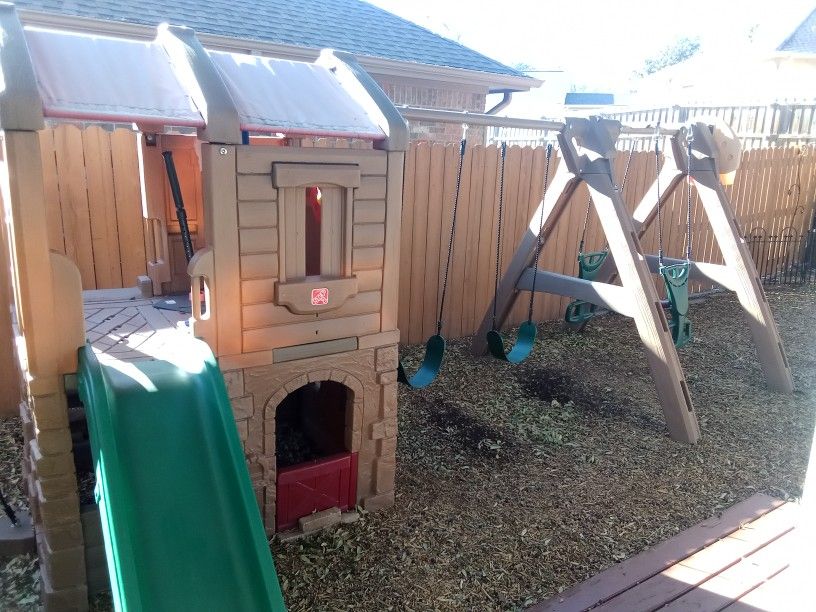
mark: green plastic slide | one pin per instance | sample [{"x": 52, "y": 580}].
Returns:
[{"x": 181, "y": 524}]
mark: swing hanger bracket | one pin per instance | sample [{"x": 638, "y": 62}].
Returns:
[{"x": 587, "y": 144}]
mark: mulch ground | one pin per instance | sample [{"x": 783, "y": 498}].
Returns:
[{"x": 515, "y": 482}]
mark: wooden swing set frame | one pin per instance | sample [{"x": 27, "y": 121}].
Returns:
[{"x": 587, "y": 147}]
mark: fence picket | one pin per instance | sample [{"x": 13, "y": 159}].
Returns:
[
  {"x": 76, "y": 223},
  {"x": 102, "y": 207},
  {"x": 433, "y": 244}
]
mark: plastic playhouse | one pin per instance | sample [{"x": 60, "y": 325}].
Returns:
[
  {"x": 294, "y": 301},
  {"x": 272, "y": 404}
]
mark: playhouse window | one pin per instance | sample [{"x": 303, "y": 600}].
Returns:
[
  {"x": 316, "y": 222},
  {"x": 313, "y": 232}
]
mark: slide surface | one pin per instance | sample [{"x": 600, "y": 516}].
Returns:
[{"x": 181, "y": 524}]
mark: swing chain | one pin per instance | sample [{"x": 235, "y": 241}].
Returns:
[
  {"x": 540, "y": 230},
  {"x": 462, "y": 147},
  {"x": 499, "y": 232},
  {"x": 618, "y": 188},
  {"x": 657, "y": 184},
  {"x": 688, "y": 202},
  {"x": 586, "y": 222}
]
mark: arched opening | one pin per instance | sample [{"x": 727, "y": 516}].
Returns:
[
  {"x": 310, "y": 423},
  {"x": 316, "y": 468}
]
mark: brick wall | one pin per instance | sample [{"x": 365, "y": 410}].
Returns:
[{"x": 445, "y": 98}]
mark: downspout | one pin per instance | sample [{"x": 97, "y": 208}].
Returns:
[{"x": 503, "y": 103}]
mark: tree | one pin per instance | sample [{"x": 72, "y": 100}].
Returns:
[
  {"x": 675, "y": 53},
  {"x": 523, "y": 67}
]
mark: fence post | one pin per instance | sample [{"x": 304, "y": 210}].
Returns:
[{"x": 784, "y": 118}]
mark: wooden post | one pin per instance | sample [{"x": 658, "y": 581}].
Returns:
[
  {"x": 221, "y": 214},
  {"x": 737, "y": 257},
  {"x": 10, "y": 381},
  {"x": 635, "y": 276}
]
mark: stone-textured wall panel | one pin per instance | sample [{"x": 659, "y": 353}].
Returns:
[{"x": 370, "y": 375}]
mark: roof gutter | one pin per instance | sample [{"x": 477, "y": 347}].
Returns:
[
  {"x": 507, "y": 97},
  {"x": 374, "y": 65}
]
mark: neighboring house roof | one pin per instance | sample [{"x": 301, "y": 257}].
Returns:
[
  {"x": 591, "y": 98},
  {"x": 803, "y": 38},
  {"x": 347, "y": 25}
]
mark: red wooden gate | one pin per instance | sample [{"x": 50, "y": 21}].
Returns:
[{"x": 316, "y": 485}]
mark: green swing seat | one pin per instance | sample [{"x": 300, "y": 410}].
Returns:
[
  {"x": 589, "y": 264},
  {"x": 430, "y": 366},
  {"x": 676, "y": 278},
  {"x": 521, "y": 349}
]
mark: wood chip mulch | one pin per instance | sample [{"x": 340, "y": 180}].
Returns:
[{"x": 515, "y": 482}]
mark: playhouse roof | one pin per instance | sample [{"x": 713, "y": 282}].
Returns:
[
  {"x": 95, "y": 78},
  {"x": 98, "y": 78},
  {"x": 350, "y": 25}
]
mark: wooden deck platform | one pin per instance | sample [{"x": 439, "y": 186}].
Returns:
[
  {"x": 120, "y": 324},
  {"x": 739, "y": 561}
]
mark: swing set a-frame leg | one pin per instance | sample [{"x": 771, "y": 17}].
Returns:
[
  {"x": 650, "y": 320},
  {"x": 590, "y": 161},
  {"x": 737, "y": 258},
  {"x": 738, "y": 267}
]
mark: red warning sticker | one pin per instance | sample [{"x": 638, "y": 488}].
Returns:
[{"x": 320, "y": 297}]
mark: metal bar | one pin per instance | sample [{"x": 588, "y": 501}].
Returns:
[
  {"x": 181, "y": 214},
  {"x": 448, "y": 116},
  {"x": 417, "y": 113},
  {"x": 612, "y": 297},
  {"x": 699, "y": 270}
]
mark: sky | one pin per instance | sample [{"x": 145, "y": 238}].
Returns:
[{"x": 600, "y": 43}]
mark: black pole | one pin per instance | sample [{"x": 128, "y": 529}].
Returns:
[
  {"x": 7, "y": 509},
  {"x": 181, "y": 214}
]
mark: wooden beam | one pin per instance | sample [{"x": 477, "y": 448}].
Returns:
[
  {"x": 595, "y": 140},
  {"x": 221, "y": 214},
  {"x": 562, "y": 186},
  {"x": 671, "y": 173},
  {"x": 738, "y": 259},
  {"x": 613, "y": 297}
]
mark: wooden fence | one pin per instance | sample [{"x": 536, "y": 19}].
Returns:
[
  {"x": 94, "y": 202},
  {"x": 94, "y": 199},
  {"x": 775, "y": 189}
]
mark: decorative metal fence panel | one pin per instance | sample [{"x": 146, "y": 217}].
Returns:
[{"x": 786, "y": 258}]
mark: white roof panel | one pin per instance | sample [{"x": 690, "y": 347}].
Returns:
[
  {"x": 274, "y": 95},
  {"x": 98, "y": 78}
]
